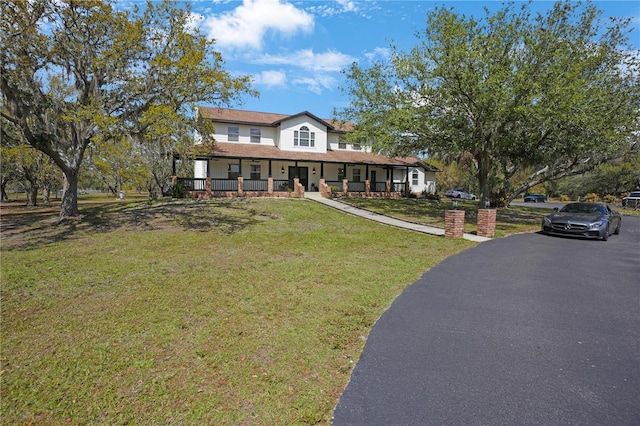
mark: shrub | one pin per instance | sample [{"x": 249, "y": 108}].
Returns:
[
  {"x": 610, "y": 199},
  {"x": 177, "y": 191},
  {"x": 592, "y": 196},
  {"x": 430, "y": 196},
  {"x": 564, "y": 198}
]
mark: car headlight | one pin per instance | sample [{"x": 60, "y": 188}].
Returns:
[
  {"x": 546, "y": 221},
  {"x": 596, "y": 225}
]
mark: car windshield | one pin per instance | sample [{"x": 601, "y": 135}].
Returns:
[
  {"x": 634, "y": 194},
  {"x": 584, "y": 208}
]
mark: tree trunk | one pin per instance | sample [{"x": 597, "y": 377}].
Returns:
[
  {"x": 3, "y": 189},
  {"x": 32, "y": 196},
  {"x": 46, "y": 194},
  {"x": 69, "y": 206},
  {"x": 483, "y": 178}
]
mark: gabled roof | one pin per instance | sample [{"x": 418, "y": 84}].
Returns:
[
  {"x": 267, "y": 152},
  {"x": 237, "y": 116}
]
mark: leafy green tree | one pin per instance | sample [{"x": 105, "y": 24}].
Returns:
[
  {"x": 76, "y": 73},
  {"x": 533, "y": 98}
]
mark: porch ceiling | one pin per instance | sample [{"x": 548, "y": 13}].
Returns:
[{"x": 262, "y": 152}]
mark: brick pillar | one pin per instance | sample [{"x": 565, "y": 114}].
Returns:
[
  {"x": 486, "y": 222},
  {"x": 297, "y": 192},
  {"x": 345, "y": 186},
  {"x": 325, "y": 191},
  {"x": 240, "y": 186},
  {"x": 207, "y": 185},
  {"x": 453, "y": 223},
  {"x": 270, "y": 185}
]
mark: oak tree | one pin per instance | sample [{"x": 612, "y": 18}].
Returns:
[
  {"x": 532, "y": 97},
  {"x": 75, "y": 73}
]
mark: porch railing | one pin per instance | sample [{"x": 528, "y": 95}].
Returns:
[
  {"x": 398, "y": 186},
  {"x": 256, "y": 185},
  {"x": 281, "y": 185},
  {"x": 193, "y": 184},
  {"x": 224, "y": 184},
  {"x": 356, "y": 186},
  {"x": 379, "y": 187}
]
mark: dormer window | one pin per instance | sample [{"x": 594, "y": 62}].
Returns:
[{"x": 304, "y": 137}]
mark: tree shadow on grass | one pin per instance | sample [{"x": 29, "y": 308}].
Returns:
[{"x": 26, "y": 229}]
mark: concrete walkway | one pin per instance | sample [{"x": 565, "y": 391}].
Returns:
[{"x": 432, "y": 230}]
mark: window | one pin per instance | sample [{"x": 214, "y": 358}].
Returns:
[
  {"x": 304, "y": 137},
  {"x": 255, "y": 171},
  {"x": 356, "y": 175},
  {"x": 414, "y": 178},
  {"x": 255, "y": 135},
  {"x": 233, "y": 133},
  {"x": 357, "y": 147},
  {"x": 340, "y": 174},
  {"x": 342, "y": 144},
  {"x": 234, "y": 171}
]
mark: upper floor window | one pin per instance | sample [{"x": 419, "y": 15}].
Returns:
[
  {"x": 342, "y": 144},
  {"x": 304, "y": 137},
  {"x": 255, "y": 135},
  {"x": 357, "y": 147},
  {"x": 233, "y": 133}
]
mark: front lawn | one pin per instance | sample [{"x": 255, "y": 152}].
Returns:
[{"x": 234, "y": 311}]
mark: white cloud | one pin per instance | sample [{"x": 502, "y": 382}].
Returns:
[
  {"x": 330, "y": 61},
  {"x": 247, "y": 25},
  {"x": 271, "y": 78},
  {"x": 383, "y": 53},
  {"x": 317, "y": 83},
  {"x": 336, "y": 8}
]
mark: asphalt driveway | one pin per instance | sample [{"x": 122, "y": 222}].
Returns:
[{"x": 524, "y": 330}]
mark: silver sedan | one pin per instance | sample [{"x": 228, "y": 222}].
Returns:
[{"x": 587, "y": 220}]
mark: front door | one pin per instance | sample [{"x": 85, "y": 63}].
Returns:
[
  {"x": 303, "y": 174},
  {"x": 372, "y": 181}
]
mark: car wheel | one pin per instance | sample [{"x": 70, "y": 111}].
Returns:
[
  {"x": 605, "y": 237},
  {"x": 617, "y": 231}
]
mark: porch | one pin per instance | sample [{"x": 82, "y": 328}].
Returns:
[{"x": 241, "y": 187}]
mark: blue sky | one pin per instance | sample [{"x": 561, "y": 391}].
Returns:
[{"x": 295, "y": 50}]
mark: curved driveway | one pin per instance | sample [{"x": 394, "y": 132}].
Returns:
[{"x": 523, "y": 330}]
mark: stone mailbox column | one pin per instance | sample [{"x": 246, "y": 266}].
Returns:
[
  {"x": 486, "y": 222},
  {"x": 454, "y": 223}
]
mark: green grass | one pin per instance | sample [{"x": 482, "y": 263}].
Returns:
[
  {"x": 427, "y": 212},
  {"x": 235, "y": 311}
]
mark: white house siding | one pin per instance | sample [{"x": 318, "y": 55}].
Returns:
[
  {"x": 267, "y": 134},
  {"x": 287, "y": 127}
]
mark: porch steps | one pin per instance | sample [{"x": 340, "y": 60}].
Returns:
[{"x": 431, "y": 230}]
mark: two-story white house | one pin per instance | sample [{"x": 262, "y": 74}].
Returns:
[{"x": 258, "y": 153}]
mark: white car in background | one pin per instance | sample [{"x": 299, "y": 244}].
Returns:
[
  {"x": 631, "y": 200},
  {"x": 459, "y": 193}
]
